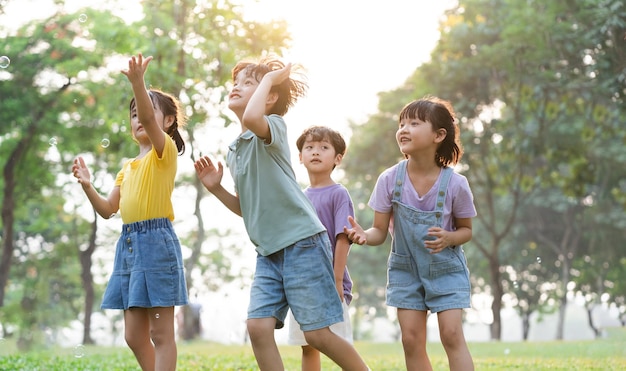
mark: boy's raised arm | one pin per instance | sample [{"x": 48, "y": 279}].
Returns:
[{"x": 254, "y": 116}]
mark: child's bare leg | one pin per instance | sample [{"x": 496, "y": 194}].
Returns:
[
  {"x": 137, "y": 336},
  {"x": 310, "y": 359},
  {"x": 163, "y": 337},
  {"x": 453, "y": 340},
  {"x": 413, "y": 328},
  {"x": 261, "y": 332},
  {"x": 336, "y": 348}
]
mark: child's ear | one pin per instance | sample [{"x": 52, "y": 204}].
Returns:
[
  {"x": 169, "y": 120},
  {"x": 272, "y": 98},
  {"x": 300, "y": 156},
  {"x": 338, "y": 159},
  {"x": 441, "y": 135}
]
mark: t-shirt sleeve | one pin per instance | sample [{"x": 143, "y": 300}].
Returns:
[
  {"x": 119, "y": 178},
  {"x": 344, "y": 208},
  {"x": 380, "y": 200},
  {"x": 463, "y": 201}
]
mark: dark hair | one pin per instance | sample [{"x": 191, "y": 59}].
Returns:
[
  {"x": 440, "y": 114},
  {"x": 170, "y": 106},
  {"x": 320, "y": 133},
  {"x": 288, "y": 91}
]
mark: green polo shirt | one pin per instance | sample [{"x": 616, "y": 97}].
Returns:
[{"x": 275, "y": 211}]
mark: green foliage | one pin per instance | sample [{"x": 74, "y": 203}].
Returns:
[
  {"x": 62, "y": 96},
  {"x": 541, "y": 115}
]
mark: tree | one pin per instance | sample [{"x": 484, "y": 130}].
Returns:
[{"x": 534, "y": 87}]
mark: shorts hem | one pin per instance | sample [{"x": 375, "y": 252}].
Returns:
[
  {"x": 320, "y": 325},
  {"x": 450, "y": 306},
  {"x": 144, "y": 305}
]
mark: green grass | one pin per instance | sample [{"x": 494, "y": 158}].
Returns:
[{"x": 603, "y": 354}]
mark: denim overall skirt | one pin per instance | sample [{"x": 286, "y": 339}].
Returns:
[{"x": 417, "y": 279}]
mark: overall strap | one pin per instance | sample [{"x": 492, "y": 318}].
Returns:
[
  {"x": 446, "y": 173},
  {"x": 400, "y": 173}
]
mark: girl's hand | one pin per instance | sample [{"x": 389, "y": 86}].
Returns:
[
  {"x": 137, "y": 67},
  {"x": 80, "y": 171},
  {"x": 209, "y": 175},
  {"x": 437, "y": 239},
  {"x": 356, "y": 234}
]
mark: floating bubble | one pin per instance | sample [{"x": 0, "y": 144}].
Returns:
[
  {"x": 52, "y": 141},
  {"x": 515, "y": 284},
  {"x": 79, "y": 351},
  {"x": 82, "y": 18},
  {"x": 157, "y": 315},
  {"x": 507, "y": 351},
  {"x": 104, "y": 143},
  {"x": 539, "y": 259},
  {"x": 4, "y": 61}
]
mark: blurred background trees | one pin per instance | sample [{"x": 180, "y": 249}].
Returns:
[{"x": 539, "y": 93}]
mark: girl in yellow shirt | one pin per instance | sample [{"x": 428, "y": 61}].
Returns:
[{"x": 148, "y": 276}]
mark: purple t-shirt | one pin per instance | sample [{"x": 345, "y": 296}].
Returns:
[
  {"x": 459, "y": 199},
  {"x": 334, "y": 205}
]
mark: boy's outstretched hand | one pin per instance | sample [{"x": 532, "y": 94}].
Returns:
[
  {"x": 209, "y": 175},
  {"x": 356, "y": 234}
]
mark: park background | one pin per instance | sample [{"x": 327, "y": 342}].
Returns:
[{"x": 538, "y": 88}]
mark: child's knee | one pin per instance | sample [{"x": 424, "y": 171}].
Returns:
[
  {"x": 317, "y": 338},
  {"x": 260, "y": 327},
  {"x": 135, "y": 339}
]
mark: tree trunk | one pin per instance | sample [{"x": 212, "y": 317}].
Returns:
[
  {"x": 87, "y": 280},
  {"x": 189, "y": 330},
  {"x": 525, "y": 326},
  {"x": 8, "y": 206},
  {"x": 496, "y": 305}
]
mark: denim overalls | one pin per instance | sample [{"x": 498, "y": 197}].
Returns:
[{"x": 417, "y": 279}]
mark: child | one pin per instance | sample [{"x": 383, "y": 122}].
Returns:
[
  {"x": 148, "y": 278},
  {"x": 427, "y": 207},
  {"x": 321, "y": 150},
  {"x": 294, "y": 260}
]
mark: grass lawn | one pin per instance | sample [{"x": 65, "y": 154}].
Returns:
[{"x": 603, "y": 354}]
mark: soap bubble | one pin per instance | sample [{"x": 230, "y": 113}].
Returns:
[
  {"x": 4, "y": 61},
  {"x": 104, "y": 143},
  {"x": 52, "y": 141},
  {"x": 79, "y": 351},
  {"x": 539, "y": 259},
  {"x": 82, "y": 18}
]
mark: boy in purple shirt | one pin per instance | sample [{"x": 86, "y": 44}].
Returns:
[{"x": 321, "y": 149}]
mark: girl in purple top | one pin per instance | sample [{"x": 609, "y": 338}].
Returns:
[{"x": 428, "y": 209}]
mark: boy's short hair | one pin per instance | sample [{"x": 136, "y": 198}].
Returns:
[
  {"x": 320, "y": 133},
  {"x": 288, "y": 91}
]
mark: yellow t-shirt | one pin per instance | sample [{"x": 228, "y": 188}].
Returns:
[{"x": 146, "y": 185}]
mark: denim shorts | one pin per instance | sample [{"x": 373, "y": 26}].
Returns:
[
  {"x": 299, "y": 277},
  {"x": 437, "y": 282},
  {"x": 148, "y": 269}
]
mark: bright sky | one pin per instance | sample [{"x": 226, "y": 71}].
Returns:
[{"x": 352, "y": 49}]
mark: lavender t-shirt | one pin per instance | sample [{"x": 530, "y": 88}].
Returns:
[
  {"x": 459, "y": 201},
  {"x": 333, "y": 205}
]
